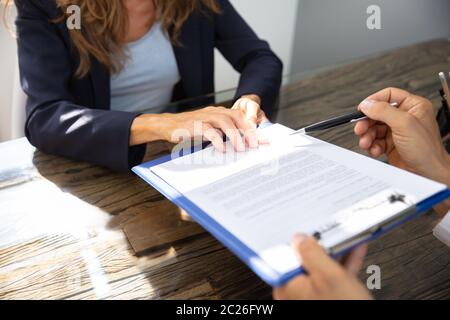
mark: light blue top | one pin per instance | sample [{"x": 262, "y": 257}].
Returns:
[{"x": 146, "y": 82}]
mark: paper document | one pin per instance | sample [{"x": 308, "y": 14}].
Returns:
[{"x": 296, "y": 184}]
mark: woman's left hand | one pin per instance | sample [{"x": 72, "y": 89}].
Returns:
[{"x": 250, "y": 105}]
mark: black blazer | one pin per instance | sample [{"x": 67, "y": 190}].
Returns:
[{"x": 71, "y": 117}]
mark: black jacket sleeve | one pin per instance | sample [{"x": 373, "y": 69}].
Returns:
[
  {"x": 260, "y": 68},
  {"x": 55, "y": 123}
]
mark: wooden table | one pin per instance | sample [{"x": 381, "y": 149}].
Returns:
[{"x": 72, "y": 230}]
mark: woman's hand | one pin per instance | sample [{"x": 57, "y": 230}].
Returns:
[
  {"x": 211, "y": 124},
  {"x": 408, "y": 136},
  {"x": 250, "y": 105},
  {"x": 326, "y": 279}
]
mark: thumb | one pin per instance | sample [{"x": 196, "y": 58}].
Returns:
[
  {"x": 251, "y": 112},
  {"x": 384, "y": 112},
  {"x": 313, "y": 256}
]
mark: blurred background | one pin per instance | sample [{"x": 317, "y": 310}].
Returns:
[{"x": 308, "y": 35}]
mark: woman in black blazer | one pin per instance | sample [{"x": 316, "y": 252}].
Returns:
[{"x": 67, "y": 75}]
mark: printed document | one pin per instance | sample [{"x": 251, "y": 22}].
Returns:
[{"x": 295, "y": 184}]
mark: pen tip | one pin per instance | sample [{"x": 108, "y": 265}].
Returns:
[{"x": 301, "y": 131}]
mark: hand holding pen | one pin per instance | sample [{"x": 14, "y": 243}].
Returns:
[
  {"x": 408, "y": 135},
  {"x": 358, "y": 115}
]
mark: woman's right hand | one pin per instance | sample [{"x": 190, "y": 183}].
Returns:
[
  {"x": 407, "y": 135},
  {"x": 210, "y": 124}
]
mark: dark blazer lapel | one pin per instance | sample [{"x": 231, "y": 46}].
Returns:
[
  {"x": 188, "y": 57},
  {"x": 100, "y": 79}
]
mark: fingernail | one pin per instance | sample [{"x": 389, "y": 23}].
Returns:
[
  {"x": 241, "y": 146},
  {"x": 263, "y": 140},
  {"x": 367, "y": 104},
  {"x": 298, "y": 239},
  {"x": 253, "y": 140}
]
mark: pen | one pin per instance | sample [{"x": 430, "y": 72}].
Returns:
[{"x": 334, "y": 122}]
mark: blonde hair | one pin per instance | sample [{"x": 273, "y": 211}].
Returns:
[{"x": 105, "y": 23}]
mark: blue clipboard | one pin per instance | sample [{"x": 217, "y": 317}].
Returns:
[{"x": 248, "y": 256}]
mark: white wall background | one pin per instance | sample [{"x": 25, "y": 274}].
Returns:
[
  {"x": 329, "y": 32},
  {"x": 273, "y": 21},
  {"x": 7, "y": 71}
]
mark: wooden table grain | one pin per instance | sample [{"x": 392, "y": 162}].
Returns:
[{"x": 71, "y": 230}]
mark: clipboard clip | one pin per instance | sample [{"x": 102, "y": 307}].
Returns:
[
  {"x": 391, "y": 199},
  {"x": 364, "y": 236},
  {"x": 374, "y": 232}
]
